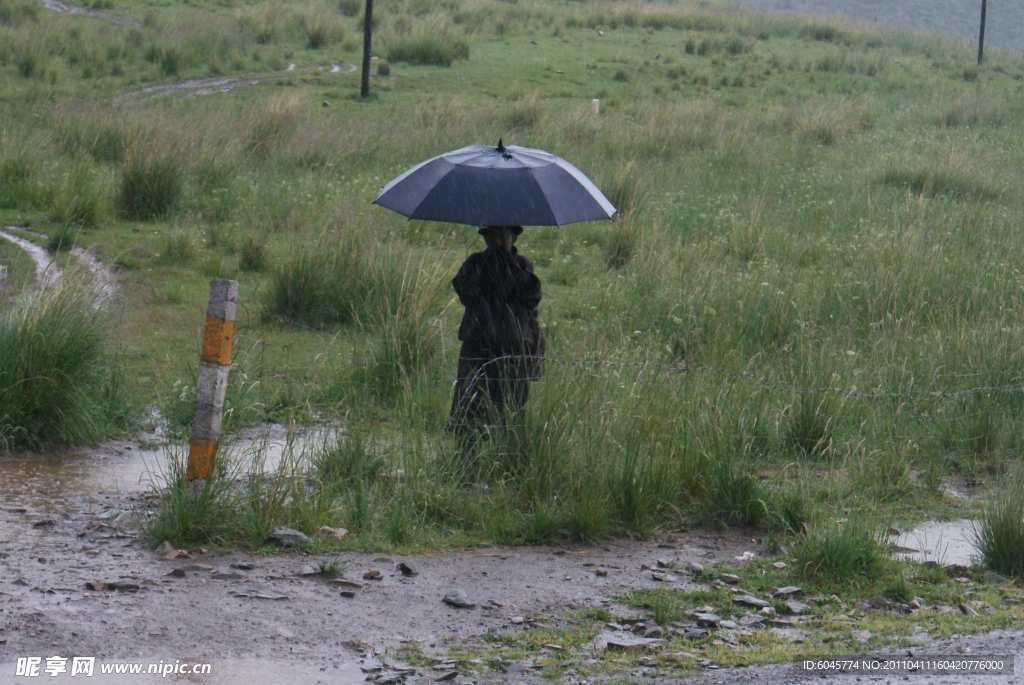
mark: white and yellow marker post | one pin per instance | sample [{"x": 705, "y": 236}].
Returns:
[{"x": 212, "y": 385}]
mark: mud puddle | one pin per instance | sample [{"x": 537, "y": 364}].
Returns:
[
  {"x": 58, "y": 6},
  {"x": 36, "y": 488},
  {"x": 947, "y": 542},
  {"x": 47, "y": 271}
]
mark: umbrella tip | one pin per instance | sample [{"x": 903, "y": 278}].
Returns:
[{"x": 501, "y": 148}]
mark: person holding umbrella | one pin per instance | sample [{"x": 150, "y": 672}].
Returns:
[
  {"x": 501, "y": 189},
  {"x": 502, "y": 344}
]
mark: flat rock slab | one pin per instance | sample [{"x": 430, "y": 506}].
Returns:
[
  {"x": 227, "y": 573},
  {"x": 993, "y": 578},
  {"x": 259, "y": 594},
  {"x": 788, "y": 591},
  {"x": 624, "y": 642},
  {"x": 747, "y": 600},
  {"x": 458, "y": 599},
  {"x": 328, "y": 533},
  {"x": 708, "y": 620},
  {"x": 288, "y": 537},
  {"x": 795, "y": 607}
]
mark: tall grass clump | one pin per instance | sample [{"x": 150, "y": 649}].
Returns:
[
  {"x": 252, "y": 257},
  {"x": 272, "y": 124},
  {"x": 322, "y": 283},
  {"x": 152, "y": 181},
  {"x": 20, "y": 161},
  {"x": 58, "y": 379},
  {"x": 343, "y": 463},
  {"x": 841, "y": 552},
  {"x": 736, "y": 496},
  {"x": 64, "y": 239},
  {"x": 199, "y": 511},
  {"x": 17, "y": 12},
  {"x": 955, "y": 177},
  {"x": 404, "y": 321},
  {"x": 624, "y": 236},
  {"x": 627, "y": 188},
  {"x": 999, "y": 537},
  {"x": 427, "y": 49},
  {"x": 322, "y": 27},
  {"x": 78, "y": 199}
]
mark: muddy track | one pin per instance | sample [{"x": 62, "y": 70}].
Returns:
[
  {"x": 59, "y": 6},
  {"x": 49, "y": 273},
  {"x": 221, "y": 84},
  {"x": 77, "y": 578}
]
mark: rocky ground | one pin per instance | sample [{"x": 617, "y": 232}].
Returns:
[{"x": 78, "y": 580}]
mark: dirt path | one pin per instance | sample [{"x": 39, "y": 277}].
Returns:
[
  {"x": 73, "y": 519},
  {"x": 59, "y": 6},
  {"x": 49, "y": 273},
  {"x": 221, "y": 84},
  {"x": 67, "y": 521}
]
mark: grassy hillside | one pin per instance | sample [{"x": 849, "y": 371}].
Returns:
[
  {"x": 955, "y": 18},
  {"x": 814, "y": 267}
]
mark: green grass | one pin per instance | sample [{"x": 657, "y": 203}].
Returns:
[
  {"x": 841, "y": 551},
  {"x": 804, "y": 206},
  {"x": 1000, "y": 534},
  {"x": 427, "y": 50},
  {"x": 61, "y": 380}
]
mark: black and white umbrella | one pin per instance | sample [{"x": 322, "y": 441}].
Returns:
[{"x": 482, "y": 185}]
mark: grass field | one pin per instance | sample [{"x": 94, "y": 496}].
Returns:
[
  {"x": 812, "y": 274},
  {"x": 946, "y": 17}
]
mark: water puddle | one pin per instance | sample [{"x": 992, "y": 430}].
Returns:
[
  {"x": 222, "y": 672},
  {"x": 47, "y": 271},
  {"x": 947, "y": 542},
  {"x": 37, "y": 486},
  {"x": 105, "y": 280}
]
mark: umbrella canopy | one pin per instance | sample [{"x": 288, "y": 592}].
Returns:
[{"x": 482, "y": 185}]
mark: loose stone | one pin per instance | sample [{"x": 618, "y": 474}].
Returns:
[
  {"x": 458, "y": 599},
  {"x": 288, "y": 537}
]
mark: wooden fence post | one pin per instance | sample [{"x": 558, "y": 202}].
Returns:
[{"x": 212, "y": 385}]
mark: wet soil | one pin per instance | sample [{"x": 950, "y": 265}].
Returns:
[
  {"x": 47, "y": 270},
  {"x": 72, "y": 519},
  {"x": 59, "y": 6}
]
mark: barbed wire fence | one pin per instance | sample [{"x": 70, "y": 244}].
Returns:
[{"x": 941, "y": 398}]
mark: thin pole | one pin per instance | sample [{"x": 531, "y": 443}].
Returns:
[
  {"x": 212, "y": 383},
  {"x": 364, "y": 91},
  {"x": 981, "y": 32}
]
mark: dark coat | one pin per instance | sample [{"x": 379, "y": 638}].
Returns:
[{"x": 500, "y": 292}]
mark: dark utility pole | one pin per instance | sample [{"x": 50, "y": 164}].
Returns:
[
  {"x": 981, "y": 33},
  {"x": 364, "y": 91}
]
